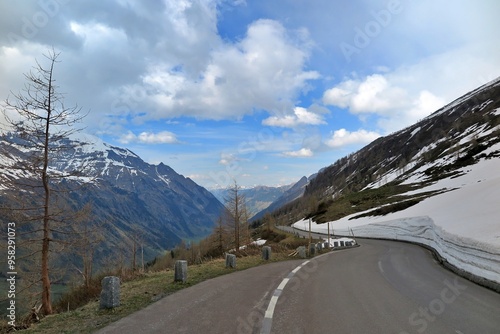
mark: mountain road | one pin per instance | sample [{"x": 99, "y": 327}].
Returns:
[{"x": 379, "y": 287}]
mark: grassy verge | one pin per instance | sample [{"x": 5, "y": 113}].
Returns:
[{"x": 142, "y": 291}]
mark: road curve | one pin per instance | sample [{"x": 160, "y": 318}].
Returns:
[
  {"x": 380, "y": 287},
  {"x": 233, "y": 303},
  {"x": 383, "y": 287}
]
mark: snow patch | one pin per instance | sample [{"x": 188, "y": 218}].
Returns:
[{"x": 414, "y": 132}]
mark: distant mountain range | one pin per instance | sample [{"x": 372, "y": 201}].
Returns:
[
  {"x": 128, "y": 196},
  {"x": 262, "y": 199},
  {"x": 293, "y": 192},
  {"x": 256, "y": 199}
]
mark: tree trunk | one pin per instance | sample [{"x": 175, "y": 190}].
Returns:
[
  {"x": 134, "y": 251},
  {"x": 236, "y": 223},
  {"x": 46, "y": 302}
]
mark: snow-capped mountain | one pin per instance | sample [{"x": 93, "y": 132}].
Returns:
[{"x": 127, "y": 195}]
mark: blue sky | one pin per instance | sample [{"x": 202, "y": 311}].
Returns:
[{"x": 261, "y": 92}]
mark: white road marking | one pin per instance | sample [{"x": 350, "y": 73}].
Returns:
[
  {"x": 270, "y": 308},
  {"x": 283, "y": 283},
  {"x": 268, "y": 316}
]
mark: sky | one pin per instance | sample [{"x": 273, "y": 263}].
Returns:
[{"x": 258, "y": 92}]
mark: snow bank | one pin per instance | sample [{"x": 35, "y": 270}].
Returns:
[
  {"x": 461, "y": 224},
  {"x": 472, "y": 256}
]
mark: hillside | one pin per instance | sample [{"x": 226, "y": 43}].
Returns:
[
  {"x": 438, "y": 147},
  {"x": 129, "y": 198},
  {"x": 435, "y": 182}
]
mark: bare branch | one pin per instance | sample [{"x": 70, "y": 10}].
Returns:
[{"x": 40, "y": 125}]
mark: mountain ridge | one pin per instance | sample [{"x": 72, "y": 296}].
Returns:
[{"x": 128, "y": 196}]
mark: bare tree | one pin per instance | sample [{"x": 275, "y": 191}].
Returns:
[
  {"x": 237, "y": 213},
  {"x": 84, "y": 245},
  {"x": 41, "y": 124},
  {"x": 219, "y": 233},
  {"x": 219, "y": 240},
  {"x": 136, "y": 238}
]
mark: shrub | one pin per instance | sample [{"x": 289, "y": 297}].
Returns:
[{"x": 79, "y": 296}]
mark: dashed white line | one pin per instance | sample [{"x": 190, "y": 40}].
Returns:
[
  {"x": 268, "y": 316},
  {"x": 283, "y": 283}
]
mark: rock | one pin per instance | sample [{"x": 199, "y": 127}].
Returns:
[
  {"x": 230, "y": 261},
  {"x": 110, "y": 293},
  {"x": 302, "y": 252},
  {"x": 180, "y": 271},
  {"x": 266, "y": 253},
  {"x": 319, "y": 246},
  {"x": 312, "y": 249}
]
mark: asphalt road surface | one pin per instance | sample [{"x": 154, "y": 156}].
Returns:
[
  {"x": 380, "y": 287},
  {"x": 383, "y": 287}
]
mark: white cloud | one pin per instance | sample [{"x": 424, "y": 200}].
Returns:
[
  {"x": 423, "y": 105},
  {"x": 98, "y": 35},
  {"x": 403, "y": 96},
  {"x": 226, "y": 159},
  {"x": 301, "y": 116},
  {"x": 426, "y": 101},
  {"x": 302, "y": 153},
  {"x": 342, "y": 137},
  {"x": 264, "y": 71},
  {"x": 163, "y": 137},
  {"x": 374, "y": 94}
]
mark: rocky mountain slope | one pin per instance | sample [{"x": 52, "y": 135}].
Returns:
[
  {"x": 439, "y": 146},
  {"x": 131, "y": 199}
]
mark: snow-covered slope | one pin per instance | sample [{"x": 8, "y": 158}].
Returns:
[{"x": 451, "y": 162}]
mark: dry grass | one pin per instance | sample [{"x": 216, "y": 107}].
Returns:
[{"x": 142, "y": 291}]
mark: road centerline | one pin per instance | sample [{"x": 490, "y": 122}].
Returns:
[{"x": 267, "y": 322}]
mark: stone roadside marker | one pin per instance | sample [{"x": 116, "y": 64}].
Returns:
[
  {"x": 110, "y": 293},
  {"x": 230, "y": 261},
  {"x": 180, "y": 271}
]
